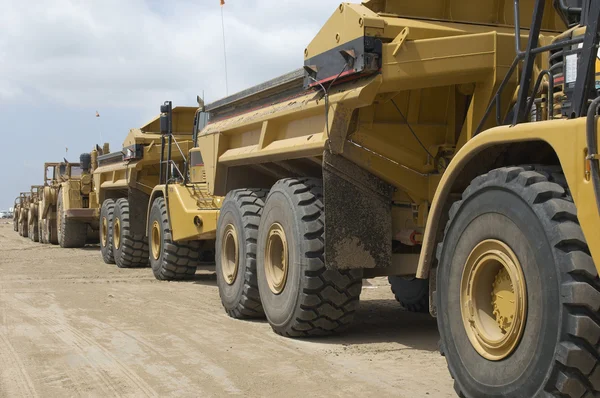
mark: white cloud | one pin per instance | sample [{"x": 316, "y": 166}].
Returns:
[{"x": 135, "y": 53}]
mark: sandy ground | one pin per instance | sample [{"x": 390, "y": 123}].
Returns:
[{"x": 71, "y": 325}]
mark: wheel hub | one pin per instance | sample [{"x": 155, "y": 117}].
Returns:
[
  {"x": 117, "y": 233},
  {"x": 156, "y": 241},
  {"x": 104, "y": 232},
  {"x": 276, "y": 259},
  {"x": 503, "y": 300},
  {"x": 493, "y": 299},
  {"x": 229, "y": 254}
]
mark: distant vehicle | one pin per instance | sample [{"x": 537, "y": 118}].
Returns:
[{"x": 3, "y": 215}]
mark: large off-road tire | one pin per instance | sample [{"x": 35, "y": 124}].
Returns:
[
  {"x": 412, "y": 293},
  {"x": 129, "y": 249},
  {"x": 107, "y": 212},
  {"x": 24, "y": 228},
  {"x": 51, "y": 233},
  {"x": 522, "y": 223},
  {"x": 300, "y": 296},
  {"x": 40, "y": 225},
  {"x": 169, "y": 260},
  {"x": 33, "y": 229},
  {"x": 70, "y": 233},
  {"x": 16, "y": 222},
  {"x": 235, "y": 255}
]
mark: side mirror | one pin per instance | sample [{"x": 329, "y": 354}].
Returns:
[
  {"x": 166, "y": 112},
  {"x": 164, "y": 123}
]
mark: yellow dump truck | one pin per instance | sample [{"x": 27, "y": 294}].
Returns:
[
  {"x": 436, "y": 142},
  {"x": 123, "y": 183}
]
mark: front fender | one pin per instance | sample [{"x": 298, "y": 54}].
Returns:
[
  {"x": 157, "y": 192},
  {"x": 565, "y": 137}
]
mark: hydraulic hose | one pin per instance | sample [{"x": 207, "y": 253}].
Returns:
[{"x": 592, "y": 144}]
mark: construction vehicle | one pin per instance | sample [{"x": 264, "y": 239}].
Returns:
[
  {"x": 54, "y": 174},
  {"x": 123, "y": 183},
  {"x": 382, "y": 157},
  {"x": 68, "y": 210},
  {"x": 32, "y": 216},
  {"x": 23, "y": 217},
  {"x": 17, "y": 216}
]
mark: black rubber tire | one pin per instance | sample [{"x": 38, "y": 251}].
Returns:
[
  {"x": 412, "y": 293},
  {"x": 133, "y": 248},
  {"x": 315, "y": 300},
  {"x": 33, "y": 229},
  {"x": 529, "y": 209},
  {"x": 70, "y": 233},
  {"x": 24, "y": 228},
  {"x": 107, "y": 211},
  {"x": 40, "y": 224},
  {"x": 51, "y": 231},
  {"x": 176, "y": 260},
  {"x": 242, "y": 209}
]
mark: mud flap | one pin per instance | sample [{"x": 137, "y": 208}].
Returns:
[
  {"x": 138, "y": 206},
  {"x": 358, "y": 216}
]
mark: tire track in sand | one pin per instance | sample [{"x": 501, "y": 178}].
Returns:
[{"x": 111, "y": 371}]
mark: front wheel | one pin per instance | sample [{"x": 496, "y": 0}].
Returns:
[
  {"x": 517, "y": 291},
  {"x": 169, "y": 260},
  {"x": 70, "y": 233}
]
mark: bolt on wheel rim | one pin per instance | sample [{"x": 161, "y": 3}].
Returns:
[
  {"x": 156, "y": 241},
  {"x": 493, "y": 299},
  {"x": 104, "y": 232},
  {"x": 117, "y": 233},
  {"x": 229, "y": 254},
  {"x": 276, "y": 258}
]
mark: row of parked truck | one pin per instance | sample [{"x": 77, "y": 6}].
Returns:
[{"x": 434, "y": 142}]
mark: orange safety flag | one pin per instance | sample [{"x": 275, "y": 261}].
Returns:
[
  {"x": 97, "y": 114},
  {"x": 222, "y": 3}
]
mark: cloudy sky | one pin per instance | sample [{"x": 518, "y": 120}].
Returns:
[{"x": 63, "y": 60}]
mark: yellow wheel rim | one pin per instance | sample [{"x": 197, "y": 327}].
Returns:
[
  {"x": 156, "y": 241},
  {"x": 104, "y": 232},
  {"x": 229, "y": 254},
  {"x": 493, "y": 299},
  {"x": 276, "y": 258},
  {"x": 117, "y": 233}
]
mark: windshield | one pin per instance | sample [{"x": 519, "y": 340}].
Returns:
[{"x": 76, "y": 171}]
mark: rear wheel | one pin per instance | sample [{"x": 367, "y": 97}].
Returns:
[
  {"x": 24, "y": 227},
  {"x": 412, "y": 293},
  {"x": 236, "y": 252},
  {"x": 107, "y": 212},
  {"x": 40, "y": 225},
  {"x": 33, "y": 229},
  {"x": 300, "y": 296},
  {"x": 169, "y": 260},
  {"x": 129, "y": 249},
  {"x": 70, "y": 233},
  {"x": 518, "y": 293}
]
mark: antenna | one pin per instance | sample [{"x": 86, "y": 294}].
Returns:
[
  {"x": 98, "y": 127},
  {"x": 224, "y": 49}
]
